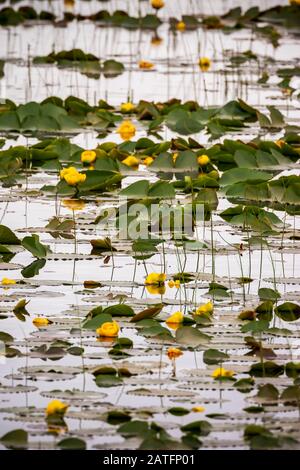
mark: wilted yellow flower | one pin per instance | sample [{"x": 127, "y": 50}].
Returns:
[
  {"x": 145, "y": 65},
  {"x": 280, "y": 143},
  {"x": 74, "y": 204},
  {"x": 7, "y": 282},
  {"x": 69, "y": 4},
  {"x": 204, "y": 64},
  {"x": 205, "y": 308},
  {"x": 221, "y": 372},
  {"x": 203, "y": 160},
  {"x": 173, "y": 353},
  {"x": 109, "y": 329},
  {"x": 126, "y": 130},
  {"x": 72, "y": 176},
  {"x": 40, "y": 321},
  {"x": 181, "y": 26},
  {"x": 56, "y": 407},
  {"x": 156, "y": 40},
  {"x": 148, "y": 161},
  {"x": 177, "y": 317},
  {"x": 127, "y": 107},
  {"x": 88, "y": 156},
  {"x": 131, "y": 161},
  {"x": 157, "y": 4},
  {"x": 198, "y": 409}
]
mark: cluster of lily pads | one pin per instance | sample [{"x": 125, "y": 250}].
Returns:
[
  {"x": 73, "y": 115},
  {"x": 287, "y": 16},
  {"x": 129, "y": 335},
  {"x": 88, "y": 64}
]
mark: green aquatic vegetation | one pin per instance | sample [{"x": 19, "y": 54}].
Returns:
[
  {"x": 87, "y": 64},
  {"x": 74, "y": 114}
]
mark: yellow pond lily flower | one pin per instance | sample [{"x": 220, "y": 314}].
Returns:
[
  {"x": 148, "y": 161},
  {"x": 280, "y": 143},
  {"x": 127, "y": 107},
  {"x": 221, "y": 372},
  {"x": 205, "y": 308},
  {"x": 181, "y": 26},
  {"x": 155, "y": 278},
  {"x": 203, "y": 160},
  {"x": 177, "y": 317},
  {"x": 126, "y": 130},
  {"x": 41, "y": 321},
  {"x": 108, "y": 329},
  {"x": 155, "y": 283},
  {"x": 157, "y": 4},
  {"x": 145, "y": 65},
  {"x": 174, "y": 353},
  {"x": 8, "y": 282},
  {"x": 88, "y": 156},
  {"x": 56, "y": 407},
  {"x": 198, "y": 409},
  {"x": 72, "y": 176},
  {"x": 204, "y": 64},
  {"x": 174, "y": 284},
  {"x": 131, "y": 161}
]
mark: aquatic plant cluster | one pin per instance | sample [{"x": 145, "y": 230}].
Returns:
[{"x": 149, "y": 238}]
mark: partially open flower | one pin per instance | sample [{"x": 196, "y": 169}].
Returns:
[
  {"x": 88, "y": 156},
  {"x": 127, "y": 107},
  {"x": 174, "y": 353},
  {"x": 175, "y": 156},
  {"x": 108, "y": 329},
  {"x": 56, "y": 407},
  {"x": 126, "y": 130},
  {"x": 7, "y": 282},
  {"x": 177, "y": 317},
  {"x": 280, "y": 143},
  {"x": 204, "y": 64},
  {"x": 221, "y": 372},
  {"x": 41, "y": 321},
  {"x": 207, "y": 308},
  {"x": 131, "y": 161},
  {"x": 148, "y": 161},
  {"x": 71, "y": 176},
  {"x": 198, "y": 409}
]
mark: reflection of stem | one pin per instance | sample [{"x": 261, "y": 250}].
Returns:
[
  {"x": 261, "y": 261},
  {"x": 174, "y": 368},
  {"x": 75, "y": 245}
]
